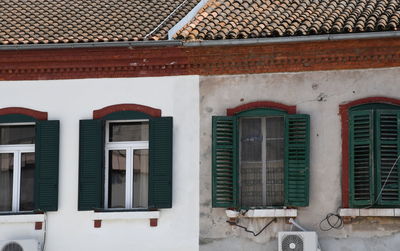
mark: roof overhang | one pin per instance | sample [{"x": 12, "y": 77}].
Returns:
[{"x": 170, "y": 58}]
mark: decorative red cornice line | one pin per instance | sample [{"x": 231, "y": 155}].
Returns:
[
  {"x": 24, "y": 111},
  {"x": 97, "y": 114},
  {"x": 203, "y": 60},
  {"x": 344, "y": 114}
]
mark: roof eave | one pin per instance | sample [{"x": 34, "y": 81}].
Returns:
[
  {"x": 145, "y": 43},
  {"x": 250, "y": 41},
  {"x": 296, "y": 39}
]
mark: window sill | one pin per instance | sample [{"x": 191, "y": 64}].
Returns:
[
  {"x": 372, "y": 212},
  {"x": 126, "y": 215},
  {"x": 256, "y": 213},
  {"x": 21, "y": 218}
]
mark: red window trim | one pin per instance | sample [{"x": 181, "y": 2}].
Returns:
[
  {"x": 97, "y": 114},
  {"x": 344, "y": 114},
  {"x": 261, "y": 104},
  {"x": 24, "y": 111}
]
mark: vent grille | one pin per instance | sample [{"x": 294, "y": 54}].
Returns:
[
  {"x": 12, "y": 246},
  {"x": 292, "y": 243}
]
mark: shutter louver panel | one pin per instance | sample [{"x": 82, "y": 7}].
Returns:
[
  {"x": 160, "y": 162},
  {"x": 387, "y": 153},
  {"x": 47, "y": 161},
  {"x": 224, "y": 162},
  {"x": 297, "y": 137},
  {"x": 91, "y": 171},
  {"x": 361, "y": 160}
]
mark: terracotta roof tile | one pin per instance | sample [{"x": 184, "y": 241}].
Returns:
[
  {"x": 264, "y": 18},
  {"x": 81, "y": 21}
]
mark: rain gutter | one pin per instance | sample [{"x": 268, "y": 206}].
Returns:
[{"x": 226, "y": 42}]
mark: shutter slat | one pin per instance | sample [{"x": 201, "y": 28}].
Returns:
[
  {"x": 297, "y": 147},
  {"x": 47, "y": 161},
  {"x": 160, "y": 163},
  {"x": 387, "y": 151},
  {"x": 224, "y": 162},
  {"x": 361, "y": 161},
  {"x": 91, "y": 165}
]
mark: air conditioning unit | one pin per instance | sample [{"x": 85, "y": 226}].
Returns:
[
  {"x": 19, "y": 245},
  {"x": 297, "y": 241}
]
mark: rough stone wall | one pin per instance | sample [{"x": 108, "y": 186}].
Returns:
[{"x": 318, "y": 94}]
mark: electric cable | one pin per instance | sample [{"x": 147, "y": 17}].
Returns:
[
  {"x": 333, "y": 221},
  {"x": 384, "y": 184},
  {"x": 250, "y": 231}
]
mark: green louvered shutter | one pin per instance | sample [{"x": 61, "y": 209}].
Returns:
[
  {"x": 297, "y": 160},
  {"x": 361, "y": 158},
  {"x": 47, "y": 160},
  {"x": 224, "y": 162},
  {"x": 388, "y": 149},
  {"x": 91, "y": 165},
  {"x": 160, "y": 163}
]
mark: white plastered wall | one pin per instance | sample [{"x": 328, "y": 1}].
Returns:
[
  {"x": 72, "y": 100},
  {"x": 318, "y": 94}
]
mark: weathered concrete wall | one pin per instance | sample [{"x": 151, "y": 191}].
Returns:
[
  {"x": 72, "y": 100},
  {"x": 318, "y": 94}
]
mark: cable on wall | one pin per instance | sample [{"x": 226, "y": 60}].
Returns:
[
  {"x": 335, "y": 221},
  {"x": 250, "y": 231},
  {"x": 384, "y": 184},
  {"x": 331, "y": 221}
]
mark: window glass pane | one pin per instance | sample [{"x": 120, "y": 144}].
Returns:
[
  {"x": 18, "y": 134},
  {"x": 251, "y": 193},
  {"x": 6, "y": 181},
  {"x": 117, "y": 179},
  {"x": 251, "y": 139},
  {"x": 27, "y": 181},
  {"x": 262, "y": 161},
  {"x": 140, "y": 178},
  {"x": 130, "y": 131},
  {"x": 274, "y": 161},
  {"x": 251, "y": 162}
]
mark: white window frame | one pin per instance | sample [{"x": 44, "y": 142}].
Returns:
[
  {"x": 128, "y": 147},
  {"x": 17, "y": 150}
]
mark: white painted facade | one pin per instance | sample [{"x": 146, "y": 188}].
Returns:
[
  {"x": 318, "y": 94},
  {"x": 191, "y": 217},
  {"x": 72, "y": 100}
]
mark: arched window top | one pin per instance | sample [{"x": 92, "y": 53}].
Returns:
[
  {"x": 126, "y": 111},
  {"x": 19, "y": 114},
  {"x": 261, "y": 112},
  {"x": 366, "y": 103},
  {"x": 261, "y": 108},
  {"x": 374, "y": 106}
]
